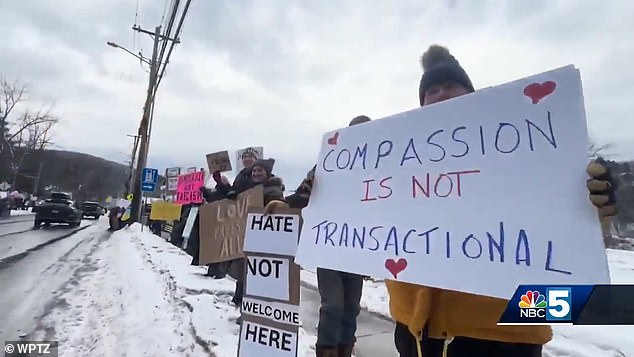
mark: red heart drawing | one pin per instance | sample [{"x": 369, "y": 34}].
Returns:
[
  {"x": 537, "y": 91},
  {"x": 395, "y": 267},
  {"x": 333, "y": 139}
]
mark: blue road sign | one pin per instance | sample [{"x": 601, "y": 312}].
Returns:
[{"x": 149, "y": 178}]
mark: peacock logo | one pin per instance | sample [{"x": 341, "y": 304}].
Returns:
[{"x": 532, "y": 300}]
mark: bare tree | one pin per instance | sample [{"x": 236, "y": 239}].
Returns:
[{"x": 23, "y": 134}]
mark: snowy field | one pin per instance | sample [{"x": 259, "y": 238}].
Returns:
[{"x": 577, "y": 341}]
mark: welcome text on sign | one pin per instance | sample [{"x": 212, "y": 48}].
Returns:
[{"x": 283, "y": 313}]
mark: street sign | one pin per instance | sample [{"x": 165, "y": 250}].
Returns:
[
  {"x": 173, "y": 172},
  {"x": 149, "y": 178},
  {"x": 4, "y": 186}
]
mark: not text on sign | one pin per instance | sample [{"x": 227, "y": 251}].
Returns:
[{"x": 268, "y": 277}]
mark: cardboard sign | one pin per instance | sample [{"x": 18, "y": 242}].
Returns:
[
  {"x": 258, "y": 149},
  {"x": 487, "y": 191},
  {"x": 277, "y": 234},
  {"x": 263, "y": 340},
  {"x": 219, "y": 161},
  {"x": 222, "y": 226},
  {"x": 171, "y": 177},
  {"x": 172, "y": 172},
  {"x": 271, "y": 303},
  {"x": 123, "y": 203},
  {"x": 188, "y": 188},
  {"x": 172, "y": 184},
  {"x": 276, "y": 311},
  {"x": 165, "y": 211},
  {"x": 268, "y": 276}
]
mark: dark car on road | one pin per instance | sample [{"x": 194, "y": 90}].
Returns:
[
  {"x": 91, "y": 209},
  {"x": 60, "y": 208}
]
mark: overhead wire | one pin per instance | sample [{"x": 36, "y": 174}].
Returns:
[
  {"x": 134, "y": 33},
  {"x": 179, "y": 28},
  {"x": 168, "y": 29}
]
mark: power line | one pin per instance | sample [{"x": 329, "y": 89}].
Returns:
[
  {"x": 178, "y": 31},
  {"x": 169, "y": 53},
  {"x": 136, "y": 17},
  {"x": 168, "y": 29}
]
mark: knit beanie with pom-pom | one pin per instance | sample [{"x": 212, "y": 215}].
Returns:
[{"x": 440, "y": 66}]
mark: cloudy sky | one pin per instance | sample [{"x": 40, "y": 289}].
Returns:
[{"x": 281, "y": 73}]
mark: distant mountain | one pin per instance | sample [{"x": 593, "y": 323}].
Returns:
[{"x": 87, "y": 177}]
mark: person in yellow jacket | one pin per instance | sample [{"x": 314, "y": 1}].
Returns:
[{"x": 427, "y": 318}]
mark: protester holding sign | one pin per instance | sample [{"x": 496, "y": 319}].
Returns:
[
  {"x": 427, "y": 316},
  {"x": 224, "y": 189},
  {"x": 340, "y": 292},
  {"x": 261, "y": 173}
]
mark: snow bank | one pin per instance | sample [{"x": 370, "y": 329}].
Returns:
[
  {"x": 213, "y": 317},
  {"x": 116, "y": 305},
  {"x": 578, "y": 341}
]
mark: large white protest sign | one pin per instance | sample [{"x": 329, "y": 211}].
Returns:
[
  {"x": 479, "y": 193},
  {"x": 263, "y": 340}
]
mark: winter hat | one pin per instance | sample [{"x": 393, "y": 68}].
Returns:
[
  {"x": 266, "y": 164},
  {"x": 358, "y": 120},
  {"x": 250, "y": 152},
  {"x": 440, "y": 66}
]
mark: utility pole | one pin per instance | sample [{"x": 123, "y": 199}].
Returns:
[
  {"x": 143, "y": 129},
  {"x": 157, "y": 68},
  {"x": 36, "y": 183},
  {"x": 131, "y": 164}
]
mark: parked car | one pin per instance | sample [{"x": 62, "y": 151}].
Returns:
[
  {"x": 60, "y": 208},
  {"x": 91, "y": 209}
]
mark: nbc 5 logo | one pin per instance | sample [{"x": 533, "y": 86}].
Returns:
[
  {"x": 555, "y": 305},
  {"x": 559, "y": 304}
]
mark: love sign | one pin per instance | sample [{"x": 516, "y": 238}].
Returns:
[{"x": 479, "y": 193}]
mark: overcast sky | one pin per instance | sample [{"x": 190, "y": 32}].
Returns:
[{"x": 281, "y": 73}]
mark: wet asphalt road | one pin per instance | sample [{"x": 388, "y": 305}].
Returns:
[{"x": 33, "y": 264}]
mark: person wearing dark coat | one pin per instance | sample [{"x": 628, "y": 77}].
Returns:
[
  {"x": 241, "y": 183},
  {"x": 273, "y": 190}
]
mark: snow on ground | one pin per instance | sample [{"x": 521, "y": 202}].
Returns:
[
  {"x": 213, "y": 316},
  {"x": 117, "y": 304},
  {"x": 21, "y": 213},
  {"x": 578, "y": 341}
]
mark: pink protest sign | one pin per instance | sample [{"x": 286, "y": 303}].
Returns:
[{"x": 188, "y": 188}]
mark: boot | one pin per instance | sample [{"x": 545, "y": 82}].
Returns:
[
  {"x": 345, "y": 350},
  {"x": 324, "y": 351}
]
